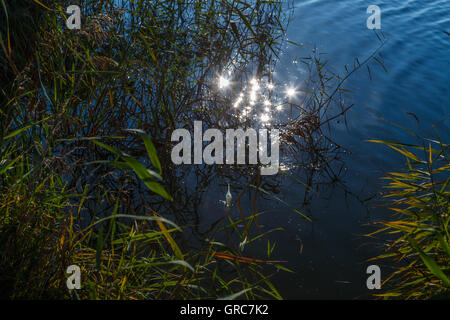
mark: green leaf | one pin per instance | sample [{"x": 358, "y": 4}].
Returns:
[
  {"x": 283, "y": 268},
  {"x": 129, "y": 216},
  {"x": 443, "y": 243},
  {"x": 183, "y": 263},
  {"x": 16, "y": 132},
  {"x": 430, "y": 264},
  {"x": 146, "y": 175},
  {"x": 151, "y": 150},
  {"x": 235, "y": 295},
  {"x": 5, "y": 168}
]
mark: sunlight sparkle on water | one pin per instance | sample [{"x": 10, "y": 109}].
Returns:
[
  {"x": 252, "y": 97},
  {"x": 265, "y": 117},
  {"x": 291, "y": 92},
  {"x": 238, "y": 102},
  {"x": 255, "y": 85},
  {"x": 223, "y": 82}
]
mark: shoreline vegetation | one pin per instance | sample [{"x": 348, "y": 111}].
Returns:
[
  {"x": 86, "y": 176},
  {"x": 70, "y": 191},
  {"x": 418, "y": 232}
]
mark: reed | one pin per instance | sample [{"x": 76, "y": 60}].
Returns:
[
  {"x": 419, "y": 229},
  {"x": 77, "y": 186}
]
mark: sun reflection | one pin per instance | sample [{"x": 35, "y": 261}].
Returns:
[
  {"x": 223, "y": 82},
  {"x": 265, "y": 117},
  {"x": 291, "y": 92},
  {"x": 252, "y": 97},
  {"x": 285, "y": 167},
  {"x": 238, "y": 102},
  {"x": 255, "y": 100},
  {"x": 253, "y": 91}
]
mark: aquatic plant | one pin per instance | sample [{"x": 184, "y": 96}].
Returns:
[
  {"x": 78, "y": 187},
  {"x": 419, "y": 230}
]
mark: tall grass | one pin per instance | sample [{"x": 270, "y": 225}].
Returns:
[
  {"x": 77, "y": 186},
  {"x": 42, "y": 233},
  {"x": 419, "y": 229}
]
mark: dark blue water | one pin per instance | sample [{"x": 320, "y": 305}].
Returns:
[{"x": 329, "y": 256}]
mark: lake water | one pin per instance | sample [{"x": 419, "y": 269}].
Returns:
[{"x": 328, "y": 256}]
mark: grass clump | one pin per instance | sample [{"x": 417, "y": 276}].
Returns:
[
  {"x": 77, "y": 185},
  {"x": 419, "y": 230},
  {"x": 121, "y": 256}
]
